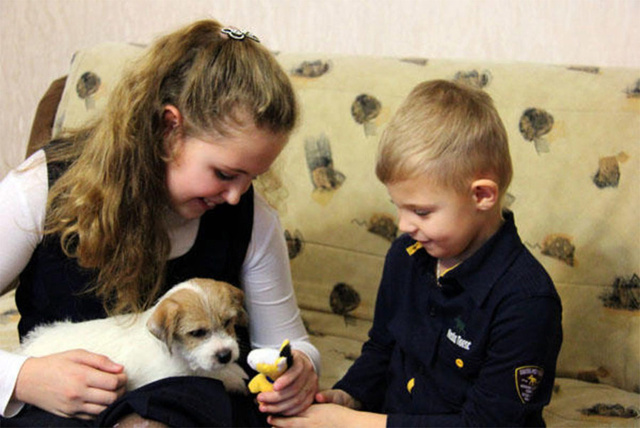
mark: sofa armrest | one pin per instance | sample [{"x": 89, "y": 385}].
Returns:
[{"x": 45, "y": 116}]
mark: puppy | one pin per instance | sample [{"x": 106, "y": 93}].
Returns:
[{"x": 189, "y": 331}]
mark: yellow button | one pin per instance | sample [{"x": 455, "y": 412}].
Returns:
[{"x": 459, "y": 363}]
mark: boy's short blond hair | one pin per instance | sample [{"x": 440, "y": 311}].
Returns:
[{"x": 449, "y": 131}]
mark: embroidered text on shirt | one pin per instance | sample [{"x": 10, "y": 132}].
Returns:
[{"x": 458, "y": 340}]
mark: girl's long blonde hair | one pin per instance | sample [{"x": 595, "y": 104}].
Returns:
[{"x": 108, "y": 207}]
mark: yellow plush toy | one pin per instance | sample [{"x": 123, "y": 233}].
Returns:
[{"x": 270, "y": 365}]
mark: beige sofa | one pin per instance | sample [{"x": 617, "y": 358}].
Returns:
[{"x": 575, "y": 140}]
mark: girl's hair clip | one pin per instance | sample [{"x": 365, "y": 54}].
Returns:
[{"x": 236, "y": 34}]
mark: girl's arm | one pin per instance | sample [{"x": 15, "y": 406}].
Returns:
[
  {"x": 274, "y": 314},
  {"x": 23, "y": 198},
  {"x": 269, "y": 295},
  {"x": 23, "y": 195},
  {"x": 11, "y": 364},
  {"x": 90, "y": 381}
]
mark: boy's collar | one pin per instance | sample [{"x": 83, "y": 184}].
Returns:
[{"x": 481, "y": 270}]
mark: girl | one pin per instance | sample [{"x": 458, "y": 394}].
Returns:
[{"x": 155, "y": 191}]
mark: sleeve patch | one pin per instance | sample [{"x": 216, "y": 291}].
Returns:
[{"x": 528, "y": 378}]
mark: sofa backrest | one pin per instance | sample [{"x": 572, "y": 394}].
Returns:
[{"x": 574, "y": 137}]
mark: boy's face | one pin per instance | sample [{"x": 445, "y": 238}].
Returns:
[{"x": 448, "y": 224}]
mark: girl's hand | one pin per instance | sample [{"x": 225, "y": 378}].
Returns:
[
  {"x": 316, "y": 416},
  {"x": 292, "y": 392},
  {"x": 72, "y": 384}
]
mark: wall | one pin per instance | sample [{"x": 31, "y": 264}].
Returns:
[{"x": 38, "y": 37}]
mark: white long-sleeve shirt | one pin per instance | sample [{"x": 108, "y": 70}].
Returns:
[{"x": 266, "y": 279}]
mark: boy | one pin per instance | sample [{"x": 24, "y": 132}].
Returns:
[{"x": 467, "y": 325}]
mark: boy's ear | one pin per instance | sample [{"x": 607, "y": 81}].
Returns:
[{"x": 485, "y": 193}]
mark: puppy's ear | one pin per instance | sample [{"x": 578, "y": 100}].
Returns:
[
  {"x": 242, "y": 318},
  {"x": 164, "y": 321},
  {"x": 237, "y": 300}
]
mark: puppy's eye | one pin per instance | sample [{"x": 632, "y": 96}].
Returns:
[
  {"x": 227, "y": 323},
  {"x": 201, "y": 332}
]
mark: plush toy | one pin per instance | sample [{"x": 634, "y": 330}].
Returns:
[{"x": 270, "y": 365}]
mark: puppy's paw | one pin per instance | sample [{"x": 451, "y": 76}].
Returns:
[{"x": 233, "y": 377}]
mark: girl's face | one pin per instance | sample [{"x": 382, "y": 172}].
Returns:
[
  {"x": 448, "y": 224},
  {"x": 216, "y": 169}
]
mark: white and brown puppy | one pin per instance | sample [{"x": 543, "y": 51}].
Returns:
[{"x": 189, "y": 331}]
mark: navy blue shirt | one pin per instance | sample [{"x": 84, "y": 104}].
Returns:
[{"x": 479, "y": 348}]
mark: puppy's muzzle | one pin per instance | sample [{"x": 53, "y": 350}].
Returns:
[{"x": 224, "y": 356}]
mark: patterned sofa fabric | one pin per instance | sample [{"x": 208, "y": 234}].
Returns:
[{"x": 574, "y": 137}]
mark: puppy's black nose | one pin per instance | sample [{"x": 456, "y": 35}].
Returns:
[{"x": 224, "y": 356}]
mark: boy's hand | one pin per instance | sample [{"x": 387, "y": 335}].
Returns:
[
  {"x": 337, "y": 396},
  {"x": 72, "y": 384}
]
